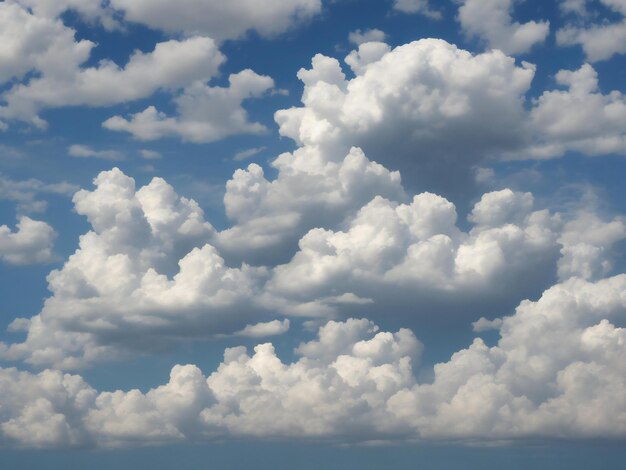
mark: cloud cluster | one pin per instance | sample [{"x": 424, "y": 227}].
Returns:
[
  {"x": 31, "y": 243},
  {"x": 205, "y": 114},
  {"x": 354, "y": 383},
  {"x": 143, "y": 276},
  {"x": 43, "y": 66},
  {"x": 434, "y": 112},
  {"x": 418, "y": 108},
  {"x": 152, "y": 271}
]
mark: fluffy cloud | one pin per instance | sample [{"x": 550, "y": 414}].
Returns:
[
  {"x": 579, "y": 118},
  {"x": 435, "y": 112},
  {"x": 356, "y": 383},
  {"x": 205, "y": 114},
  {"x": 218, "y": 19},
  {"x": 491, "y": 22},
  {"x": 601, "y": 40},
  {"x": 145, "y": 267},
  {"x": 31, "y": 243},
  {"x": 414, "y": 257},
  {"x": 171, "y": 66},
  {"x": 310, "y": 191},
  {"x": 153, "y": 268},
  {"x": 420, "y": 108}
]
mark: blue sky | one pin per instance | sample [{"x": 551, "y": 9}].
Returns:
[{"x": 312, "y": 233}]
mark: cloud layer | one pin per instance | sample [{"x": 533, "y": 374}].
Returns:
[{"x": 354, "y": 383}]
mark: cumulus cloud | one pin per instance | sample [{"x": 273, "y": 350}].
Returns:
[
  {"x": 599, "y": 40},
  {"x": 413, "y": 256},
  {"x": 28, "y": 193},
  {"x": 31, "y": 243},
  {"x": 491, "y": 22},
  {"x": 578, "y": 118},
  {"x": 354, "y": 383},
  {"x": 436, "y": 112},
  {"x": 52, "y": 51},
  {"x": 310, "y": 191},
  {"x": 218, "y": 19},
  {"x": 420, "y": 108},
  {"x": 205, "y": 114},
  {"x": 146, "y": 266},
  {"x": 152, "y": 268}
]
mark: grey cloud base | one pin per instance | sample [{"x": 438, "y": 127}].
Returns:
[{"x": 354, "y": 383}]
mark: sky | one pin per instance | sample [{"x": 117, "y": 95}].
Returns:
[{"x": 312, "y": 233}]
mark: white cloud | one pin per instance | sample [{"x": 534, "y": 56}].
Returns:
[
  {"x": 600, "y": 40},
  {"x": 146, "y": 266},
  {"x": 491, "y": 22},
  {"x": 85, "y": 151},
  {"x": 426, "y": 108},
  {"x": 310, "y": 191},
  {"x": 422, "y": 7},
  {"x": 359, "y": 37},
  {"x": 579, "y": 118},
  {"x": 205, "y": 114},
  {"x": 413, "y": 256},
  {"x": 219, "y": 19},
  {"x": 354, "y": 383},
  {"x": 31, "y": 243},
  {"x": 262, "y": 330},
  {"x": 152, "y": 265}
]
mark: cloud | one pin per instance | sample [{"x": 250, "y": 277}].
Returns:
[
  {"x": 85, "y": 151},
  {"x": 355, "y": 383},
  {"x": 269, "y": 217},
  {"x": 26, "y": 192},
  {"x": 44, "y": 45},
  {"x": 579, "y": 118},
  {"x": 261, "y": 330},
  {"x": 217, "y": 19},
  {"x": 413, "y": 257},
  {"x": 600, "y": 40},
  {"x": 205, "y": 114},
  {"x": 31, "y": 243},
  {"x": 150, "y": 154},
  {"x": 416, "y": 6},
  {"x": 248, "y": 153},
  {"x": 151, "y": 267},
  {"x": 359, "y": 37},
  {"x": 145, "y": 267},
  {"x": 436, "y": 112},
  {"x": 491, "y": 22},
  {"x": 426, "y": 108}
]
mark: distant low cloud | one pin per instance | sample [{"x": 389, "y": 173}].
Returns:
[
  {"x": 85, "y": 151},
  {"x": 355, "y": 383}
]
